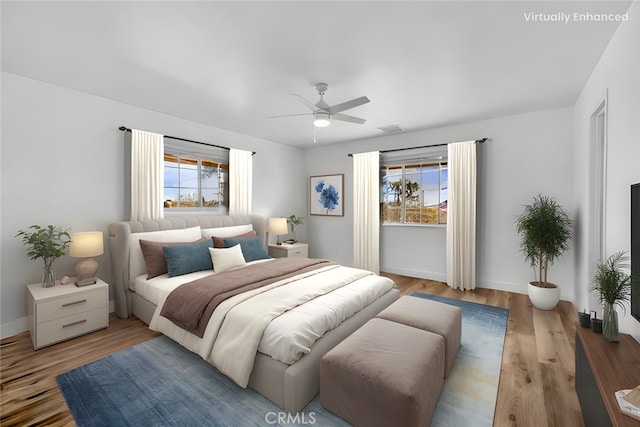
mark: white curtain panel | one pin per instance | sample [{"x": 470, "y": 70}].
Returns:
[
  {"x": 461, "y": 216},
  {"x": 147, "y": 175},
  {"x": 366, "y": 211},
  {"x": 240, "y": 182}
]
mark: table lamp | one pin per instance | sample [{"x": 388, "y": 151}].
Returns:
[
  {"x": 278, "y": 226},
  {"x": 86, "y": 245}
]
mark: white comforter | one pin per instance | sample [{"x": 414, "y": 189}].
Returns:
[{"x": 282, "y": 320}]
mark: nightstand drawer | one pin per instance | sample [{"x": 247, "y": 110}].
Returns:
[
  {"x": 70, "y": 305},
  {"x": 66, "y": 311},
  {"x": 71, "y": 326},
  {"x": 298, "y": 252}
]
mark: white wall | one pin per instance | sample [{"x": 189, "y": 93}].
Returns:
[
  {"x": 63, "y": 164},
  {"x": 618, "y": 75},
  {"x": 526, "y": 154}
]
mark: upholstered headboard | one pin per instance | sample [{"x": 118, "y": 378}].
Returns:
[{"x": 119, "y": 233}]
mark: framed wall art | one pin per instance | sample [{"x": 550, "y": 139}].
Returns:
[{"x": 325, "y": 195}]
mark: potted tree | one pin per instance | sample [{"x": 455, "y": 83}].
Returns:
[
  {"x": 545, "y": 230},
  {"x": 612, "y": 285},
  {"x": 48, "y": 243}
]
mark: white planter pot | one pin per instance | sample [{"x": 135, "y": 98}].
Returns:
[{"x": 544, "y": 298}]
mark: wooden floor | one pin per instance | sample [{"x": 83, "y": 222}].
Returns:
[
  {"x": 537, "y": 386},
  {"x": 29, "y": 394},
  {"x": 536, "y": 380}
]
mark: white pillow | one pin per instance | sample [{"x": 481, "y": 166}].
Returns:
[
  {"x": 232, "y": 231},
  {"x": 226, "y": 258},
  {"x": 136, "y": 259}
]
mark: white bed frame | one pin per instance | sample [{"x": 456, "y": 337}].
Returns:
[{"x": 289, "y": 386}]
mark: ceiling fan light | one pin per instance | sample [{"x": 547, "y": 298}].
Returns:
[{"x": 321, "y": 120}]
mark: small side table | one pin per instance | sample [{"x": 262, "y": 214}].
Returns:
[
  {"x": 295, "y": 250},
  {"x": 62, "y": 312}
]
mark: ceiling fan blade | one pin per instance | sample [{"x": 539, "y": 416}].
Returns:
[
  {"x": 346, "y": 118},
  {"x": 290, "y": 115},
  {"x": 308, "y": 103},
  {"x": 346, "y": 105}
]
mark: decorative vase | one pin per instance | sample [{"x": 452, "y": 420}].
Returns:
[
  {"x": 544, "y": 298},
  {"x": 585, "y": 319},
  {"x": 610, "y": 323},
  {"x": 48, "y": 273}
]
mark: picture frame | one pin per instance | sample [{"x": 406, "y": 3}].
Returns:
[{"x": 326, "y": 197}]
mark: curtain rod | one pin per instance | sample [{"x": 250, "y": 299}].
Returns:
[
  {"x": 126, "y": 129},
  {"x": 478, "y": 141}
]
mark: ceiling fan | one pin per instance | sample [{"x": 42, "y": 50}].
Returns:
[{"x": 323, "y": 112}]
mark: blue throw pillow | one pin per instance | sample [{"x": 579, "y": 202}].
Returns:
[
  {"x": 185, "y": 259},
  {"x": 252, "y": 248}
]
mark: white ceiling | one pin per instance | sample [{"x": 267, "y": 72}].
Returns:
[{"x": 231, "y": 65}]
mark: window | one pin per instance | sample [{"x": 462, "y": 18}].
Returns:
[
  {"x": 195, "y": 180},
  {"x": 414, "y": 193}
]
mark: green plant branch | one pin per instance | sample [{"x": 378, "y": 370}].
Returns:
[
  {"x": 611, "y": 283},
  {"x": 294, "y": 221},
  {"x": 48, "y": 243}
]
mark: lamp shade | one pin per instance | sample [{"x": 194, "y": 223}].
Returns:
[
  {"x": 278, "y": 226},
  {"x": 84, "y": 245}
]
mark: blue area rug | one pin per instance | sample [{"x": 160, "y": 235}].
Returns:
[
  {"x": 159, "y": 383},
  {"x": 470, "y": 391}
]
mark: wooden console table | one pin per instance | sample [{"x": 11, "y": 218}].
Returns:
[{"x": 602, "y": 368}]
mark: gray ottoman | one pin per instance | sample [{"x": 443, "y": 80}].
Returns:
[
  {"x": 439, "y": 318},
  {"x": 384, "y": 374}
]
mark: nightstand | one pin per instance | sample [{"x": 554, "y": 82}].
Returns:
[
  {"x": 296, "y": 250},
  {"x": 62, "y": 312}
]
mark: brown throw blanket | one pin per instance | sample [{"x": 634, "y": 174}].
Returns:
[{"x": 191, "y": 305}]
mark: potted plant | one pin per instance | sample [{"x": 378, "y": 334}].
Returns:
[
  {"x": 48, "y": 243},
  {"x": 293, "y": 221},
  {"x": 545, "y": 230},
  {"x": 613, "y": 286}
]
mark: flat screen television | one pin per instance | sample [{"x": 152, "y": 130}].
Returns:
[{"x": 635, "y": 251}]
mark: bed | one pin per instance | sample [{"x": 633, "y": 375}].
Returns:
[{"x": 291, "y": 384}]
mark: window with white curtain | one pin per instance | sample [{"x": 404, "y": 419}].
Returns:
[
  {"x": 196, "y": 179},
  {"x": 414, "y": 187}
]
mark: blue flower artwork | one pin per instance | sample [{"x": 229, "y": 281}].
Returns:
[{"x": 326, "y": 194}]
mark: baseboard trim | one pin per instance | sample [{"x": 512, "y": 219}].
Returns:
[
  {"x": 419, "y": 274},
  {"x": 14, "y": 328},
  {"x": 518, "y": 288},
  {"x": 502, "y": 286}
]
